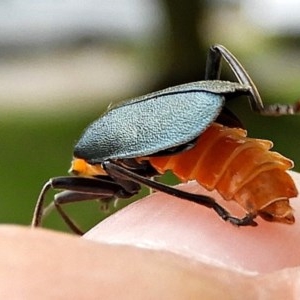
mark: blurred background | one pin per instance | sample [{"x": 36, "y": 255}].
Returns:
[{"x": 62, "y": 63}]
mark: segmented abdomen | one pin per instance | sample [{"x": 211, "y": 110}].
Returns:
[{"x": 239, "y": 168}]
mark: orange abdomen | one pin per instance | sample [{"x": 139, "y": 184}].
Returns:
[{"x": 239, "y": 168}]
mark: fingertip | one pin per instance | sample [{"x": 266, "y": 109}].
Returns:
[{"x": 167, "y": 223}]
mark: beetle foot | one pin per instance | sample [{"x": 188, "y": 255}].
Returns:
[{"x": 248, "y": 220}]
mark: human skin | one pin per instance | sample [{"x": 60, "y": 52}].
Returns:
[{"x": 160, "y": 247}]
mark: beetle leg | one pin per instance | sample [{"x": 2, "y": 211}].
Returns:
[
  {"x": 70, "y": 197},
  {"x": 117, "y": 170},
  {"x": 79, "y": 189},
  {"x": 71, "y": 224},
  {"x": 213, "y": 64},
  {"x": 213, "y": 70}
]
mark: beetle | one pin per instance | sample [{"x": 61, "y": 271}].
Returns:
[{"x": 186, "y": 129}]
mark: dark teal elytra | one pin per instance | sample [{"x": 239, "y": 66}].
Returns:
[{"x": 156, "y": 121}]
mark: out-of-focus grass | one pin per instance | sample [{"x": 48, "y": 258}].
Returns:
[{"x": 33, "y": 149}]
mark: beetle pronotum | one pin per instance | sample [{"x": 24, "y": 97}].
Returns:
[{"x": 177, "y": 129}]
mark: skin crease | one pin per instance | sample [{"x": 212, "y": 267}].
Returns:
[{"x": 158, "y": 248}]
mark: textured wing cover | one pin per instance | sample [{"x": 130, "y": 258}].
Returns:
[
  {"x": 149, "y": 126},
  {"x": 239, "y": 168}
]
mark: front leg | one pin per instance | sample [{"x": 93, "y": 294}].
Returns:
[{"x": 77, "y": 189}]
